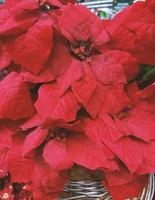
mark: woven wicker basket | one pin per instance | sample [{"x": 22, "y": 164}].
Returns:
[{"x": 85, "y": 185}]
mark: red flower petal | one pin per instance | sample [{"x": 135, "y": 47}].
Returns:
[
  {"x": 102, "y": 129},
  {"x": 31, "y": 50},
  {"x": 93, "y": 106},
  {"x": 59, "y": 60},
  {"x": 43, "y": 77},
  {"x": 141, "y": 124},
  {"x": 83, "y": 89},
  {"x": 40, "y": 195},
  {"x": 56, "y": 155},
  {"x": 5, "y": 138},
  {"x": 149, "y": 159},
  {"x": 86, "y": 153},
  {"x": 4, "y": 13},
  {"x": 120, "y": 177},
  {"x": 73, "y": 74},
  {"x": 19, "y": 168},
  {"x": 5, "y": 58},
  {"x": 95, "y": 130},
  {"x": 107, "y": 70},
  {"x": 3, "y": 156},
  {"x": 77, "y": 126},
  {"x": 125, "y": 149},
  {"x": 122, "y": 127},
  {"x": 115, "y": 100},
  {"x": 34, "y": 139},
  {"x": 15, "y": 97},
  {"x": 21, "y": 6},
  {"x": 34, "y": 121},
  {"x": 129, "y": 63},
  {"x": 50, "y": 106},
  {"x": 75, "y": 22},
  {"x": 5, "y": 144},
  {"x": 67, "y": 1},
  {"x": 113, "y": 132},
  {"x": 10, "y": 3},
  {"x": 47, "y": 180},
  {"x": 11, "y": 26},
  {"x": 131, "y": 31},
  {"x": 148, "y": 91},
  {"x": 126, "y": 191},
  {"x": 133, "y": 93}
]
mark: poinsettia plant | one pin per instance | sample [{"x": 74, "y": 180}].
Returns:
[{"x": 75, "y": 90}]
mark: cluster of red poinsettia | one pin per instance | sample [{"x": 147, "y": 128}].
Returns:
[{"x": 69, "y": 95}]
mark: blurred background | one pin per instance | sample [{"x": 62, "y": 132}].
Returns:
[{"x": 106, "y": 9}]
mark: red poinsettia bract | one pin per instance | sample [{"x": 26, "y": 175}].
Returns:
[{"x": 69, "y": 96}]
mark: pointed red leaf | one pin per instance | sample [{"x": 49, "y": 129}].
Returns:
[
  {"x": 32, "y": 49},
  {"x": 107, "y": 70},
  {"x": 32, "y": 122},
  {"x": 15, "y": 97},
  {"x": 56, "y": 155},
  {"x": 50, "y": 106},
  {"x": 34, "y": 139},
  {"x": 75, "y": 22},
  {"x": 86, "y": 153},
  {"x": 115, "y": 99},
  {"x": 141, "y": 124},
  {"x": 93, "y": 106},
  {"x": 20, "y": 168},
  {"x": 73, "y": 74},
  {"x": 60, "y": 59},
  {"x": 5, "y": 58},
  {"x": 83, "y": 89}
]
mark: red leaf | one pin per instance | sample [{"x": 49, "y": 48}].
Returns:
[
  {"x": 34, "y": 139},
  {"x": 20, "y": 169},
  {"x": 115, "y": 99},
  {"x": 125, "y": 149},
  {"x": 129, "y": 63},
  {"x": 127, "y": 191},
  {"x": 75, "y": 22},
  {"x": 47, "y": 180},
  {"x": 5, "y": 144},
  {"x": 149, "y": 159},
  {"x": 50, "y": 106},
  {"x": 102, "y": 128},
  {"x": 113, "y": 131},
  {"x": 86, "y": 153},
  {"x": 107, "y": 70},
  {"x": 32, "y": 122},
  {"x": 59, "y": 60},
  {"x": 15, "y": 97},
  {"x": 58, "y": 63},
  {"x": 93, "y": 106},
  {"x": 73, "y": 74},
  {"x": 56, "y": 155},
  {"x": 32, "y": 49},
  {"x": 120, "y": 177},
  {"x": 83, "y": 89},
  {"x": 11, "y": 26},
  {"x": 141, "y": 124},
  {"x": 22, "y": 6},
  {"x": 5, "y": 58}
]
